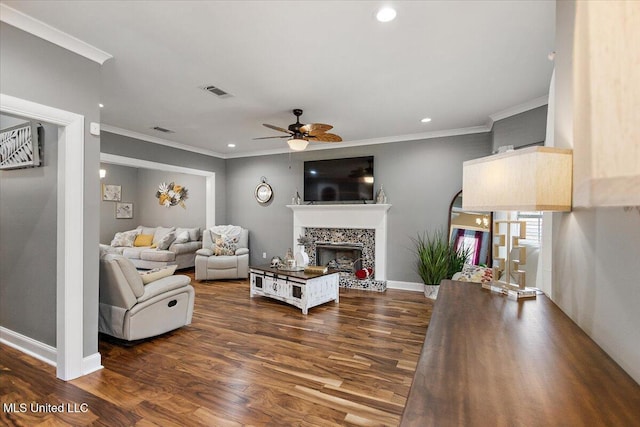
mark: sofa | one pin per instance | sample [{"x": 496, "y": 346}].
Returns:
[
  {"x": 131, "y": 309},
  {"x": 154, "y": 247},
  {"x": 224, "y": 253}
]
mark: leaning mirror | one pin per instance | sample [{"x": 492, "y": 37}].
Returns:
[{"x": 470, "y": 230}]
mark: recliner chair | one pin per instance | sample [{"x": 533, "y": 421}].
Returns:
[
  {"x": 131, "y": 310},
  {"x": 214, "y": 267}
]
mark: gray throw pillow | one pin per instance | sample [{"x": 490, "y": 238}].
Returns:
[{"x": 166, "y": 240}]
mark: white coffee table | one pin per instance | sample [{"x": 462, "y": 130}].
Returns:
[{"x": 294, "y": 287}]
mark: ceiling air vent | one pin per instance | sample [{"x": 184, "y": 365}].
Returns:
[
  {"x": 161, "y": 129},
  {"x": 216, "y": 91}
]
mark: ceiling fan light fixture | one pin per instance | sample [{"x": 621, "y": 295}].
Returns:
[{"x": 298, "y": 144}]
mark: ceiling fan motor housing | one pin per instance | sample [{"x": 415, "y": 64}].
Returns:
[{"x": 295, "y": 127}]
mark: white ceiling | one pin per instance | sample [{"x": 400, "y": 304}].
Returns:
[{"x": 458, "y": 62}]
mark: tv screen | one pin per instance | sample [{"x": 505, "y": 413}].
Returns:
[{"x": 339, "y": 180}]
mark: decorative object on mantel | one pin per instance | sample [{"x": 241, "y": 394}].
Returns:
[
  {"x": 20, "y": 146},
  {"x": 529, "y": 179},
  {"x": 171, "y": 195},
  {"x": 381, "y": 197},
  {"x": 263, "y": 192},
  {"x": 296, "y": 199}
]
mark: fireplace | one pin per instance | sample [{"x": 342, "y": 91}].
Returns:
[
  {"x": 365, "y": 224},
  {"x": 341, "y": 256}
]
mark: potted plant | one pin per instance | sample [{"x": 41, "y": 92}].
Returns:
[{"x": 437, "y": 259}]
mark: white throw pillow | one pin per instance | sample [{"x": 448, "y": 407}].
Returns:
[
  {"x": 157, "y": 273},
  {"x": 124, "y": 238},
  {"x": 182, "y": 236}
]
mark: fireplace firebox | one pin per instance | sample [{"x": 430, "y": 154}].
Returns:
[{"x": 341, "y": 256}]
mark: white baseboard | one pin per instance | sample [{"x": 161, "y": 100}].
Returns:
[
  {"x": 91, "y": 363},
  {"x": 33, "y": 348},
  {"x": 44, "y": 352},
  {"x": 406, "y": 286}
]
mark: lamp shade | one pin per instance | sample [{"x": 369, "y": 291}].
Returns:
[
  {"x": 298, "y": 144},
  {"x": 530, "y": 179}
]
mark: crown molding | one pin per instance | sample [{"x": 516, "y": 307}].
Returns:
[
  {"x": 517, "y": 109},
  {"x": 370, "y": 141},
  {"x": 46, "y": 32},
  {"x": 156, "y": 140}
]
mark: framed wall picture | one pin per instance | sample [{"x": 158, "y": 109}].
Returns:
[
  {"x": 124, "y": 210},
  {"x": 111, "y": 193},
  {"x": 19, "y": 146}
]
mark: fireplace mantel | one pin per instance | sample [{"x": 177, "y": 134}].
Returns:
[{"x": 368, "y": 216}]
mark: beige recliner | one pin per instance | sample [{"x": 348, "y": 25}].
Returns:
[
  {"x": 214, "y": 267},
  {"x": 131, "y": 310}
]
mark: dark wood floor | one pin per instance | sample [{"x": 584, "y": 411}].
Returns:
[{"x": 243, "y": 361}]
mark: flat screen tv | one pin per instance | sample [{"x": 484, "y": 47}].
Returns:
[{"x": 339, "y": 180}]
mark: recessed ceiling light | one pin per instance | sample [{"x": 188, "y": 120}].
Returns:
[
  {"x": 231, "y": 145},
  {"x": 101, "y": 105},
  {"x": 426, "y": 120},
  {"x": 386, "y": 14}
]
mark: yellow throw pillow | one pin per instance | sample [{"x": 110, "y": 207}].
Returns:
[
  {"x": 143, "y": 240},
  {"x": 157, "y": 273}
]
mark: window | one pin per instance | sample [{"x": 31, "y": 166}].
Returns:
[{"x": 534, "y": 227}]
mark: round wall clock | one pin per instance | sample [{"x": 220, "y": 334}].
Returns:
[{"x": 264, "y": 192}]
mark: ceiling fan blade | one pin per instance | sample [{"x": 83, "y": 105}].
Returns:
[
  {"x": 271, "y": 137},
  {"x": 315, "y": 128},
  {"x": 326, "y": 137},
  {"x": 277, "y": 128}
]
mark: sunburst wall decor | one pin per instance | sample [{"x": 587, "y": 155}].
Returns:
[{"x": 171, "y": 195}]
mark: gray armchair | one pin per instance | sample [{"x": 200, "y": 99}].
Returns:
[
  {"x": 131, "y": 310},
  {"x": 214, "y": 267}
]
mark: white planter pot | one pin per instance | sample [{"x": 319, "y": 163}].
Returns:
[{"x": 431, "y": 291}]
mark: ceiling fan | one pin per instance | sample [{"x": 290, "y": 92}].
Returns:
[{"x": 300, "y": 134}]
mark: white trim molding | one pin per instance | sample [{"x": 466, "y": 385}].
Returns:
[
  {"x": 44, "y": 352},
  {"x": 46, "y": 32},
  {"x": 27, "y": 345},
  {"x": 91, "y": 363},
  {"x": 143, "y": 137},
  {"x": 405, "y": 286},
  {"x": 518, "y": 109},
  {"x": 70, "y": 241},
  {"x": 210, "y": 205}
]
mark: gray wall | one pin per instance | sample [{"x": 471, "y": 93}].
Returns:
[
  {"x": 127, "y": 178},
  {"x": 28, "y": 244},
  {"x": 596, "y": 251},
  {"x": 139, "y": 186},
  {"x": 520, "y": 130},
  {"x": 135, "y": 148},
  {"x": 420, "y": 179},
  {"x": 36, "y": 70},
  {"x": 152, "y": 214}
]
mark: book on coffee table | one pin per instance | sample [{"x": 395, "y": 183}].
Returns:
[{"x": 315, "y": 269}]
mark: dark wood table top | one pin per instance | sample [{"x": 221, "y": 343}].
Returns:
[
  {"x": 299, "y": 274},
  {"x": 491, "y": 361}
]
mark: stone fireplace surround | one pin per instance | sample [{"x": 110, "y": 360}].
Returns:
[{"x": 365, "y": 223}]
